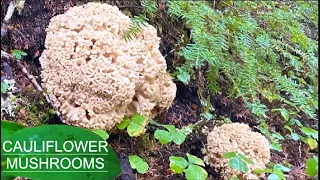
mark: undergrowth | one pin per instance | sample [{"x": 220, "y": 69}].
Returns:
[{"x": 262, "y": 51}]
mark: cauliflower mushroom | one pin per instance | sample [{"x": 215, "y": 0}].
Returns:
[
  {"x": 94, "y": 77},
  {"x": 236, "y": 137}
]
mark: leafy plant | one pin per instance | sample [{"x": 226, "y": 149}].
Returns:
[
  {"x": 312, "y": 166},
  {"x": 102, "y": 133},
  {"x": 238, "y": 161},
  {"x": 150, "y": 6},
  {"x": 171, "y": 134},
  {"x": 311, "y": 135},
  {"x": 4, "y": 87},
  {"x": 18, "y": 53},
  {"x": 182, "y": 75},
  {"x": 274, "y": 137},
  {"x": 135, "y": 125},
  {"x": 275, "y": 173},
  {"x": 138, "y": 163},
  {"x": 135, "y": 28},
  {"x": 191, "y": 168},
  {"x": 257, "y": 51}
]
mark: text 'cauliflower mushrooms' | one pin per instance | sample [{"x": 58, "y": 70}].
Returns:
[
  {"x": 236, "y": 137},
  {"x": 94, "y": 77}
]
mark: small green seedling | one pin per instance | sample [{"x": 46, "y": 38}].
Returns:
[
  {"x": 192, "y": 168},
  {"x": 182, "y": 75},
  {"x": 171, "y": 134},
  {"x": 312, "y": 166},
  {"x": 4, "y": 87},
  {"x": 284, "y": 113},
  {"x": 135, "y": 125},
  {"x": 138, "y": 163},
  {"x": 312, "y": 137},
  {"x": 238, "y": 161},
  {"x": 274, "y": 137},
  {"x": 18, "y": 53},
  {"x": 276, "y": 172}
]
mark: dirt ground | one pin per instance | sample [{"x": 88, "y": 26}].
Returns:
[{"x": 27, "y": 32}]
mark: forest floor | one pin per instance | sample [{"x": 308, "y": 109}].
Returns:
[{"x": 26, "y": 32}]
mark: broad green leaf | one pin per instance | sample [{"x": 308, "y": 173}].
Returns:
[
  {"x": 134, "y": 159},
  {"x": 178, "y": 164},
  {"x": 277, "y": 135},
  {"x": 194, "y": 160},
  {"x": 142, "y": 167},
  {"x": 285, "y": 114},
  {"x": 243, "y": 166},
  {"x": 282, "y": 168},
  {"x": 163, "y": 136},
  {"x": 194, "y": 172},
  {"x": 184, "y": 77},
  {"x": 234, "y": 163},
  {"x": 18, "y": 56},
  {"x": 295, "y": 121},
  {"x": 238, "y": 164},
  {"x": 312, "y": 167},
  {"x": 101, "y": 133},
  {"x": 273, "y": 177},
  {"x": 60, "y": 134},
  {"x": 178, "y": 137},
  {"x": 303, "y": 139},
  {"x": 8, "y": 128},
  {"x": 170, "y": 128},
  {"x": 277, "y": 170},
  {"x": 4, "y": 87},
  {"x": 262, "y": 171},
  {"x": 310, "y": 132},
  {"x": 312, "y": 143},
  {"x": 276, "y": 146},
  {"x": 229, "y": 155},
  {"x": 295, "y": 136},
  {"x": 135, "y": 129},
  {"x": 187, "y": 130},
  {"x": 153, "y": 122},
  {"x": 138, "y": 163},
  {"x": 289, "y": 128},
  {"x": 16, "y": 51},
  {"x": 139, "y": 119},
  {"x": 298, "y": 123},
  {"x": 243, "y": 157},
  {"x": 124, "y": 123}
]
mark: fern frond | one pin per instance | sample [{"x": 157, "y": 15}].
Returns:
[{"x": 135, "y": 28}]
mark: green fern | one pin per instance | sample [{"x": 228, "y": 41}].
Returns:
[
  {"x": 135, "y": 28},
  {"x": 258, "y": 48}
]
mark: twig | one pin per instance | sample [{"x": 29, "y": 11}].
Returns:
[
  {"x": 169, "y": 53},
  {"x": 7, "y": 18},
  {"x": 31, "y": 78}
]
